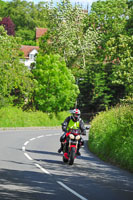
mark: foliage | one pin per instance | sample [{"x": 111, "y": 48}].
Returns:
[
  {"x": 15, "y": 117},
  {"x": 26, "y": 34},
  {"x": 56, "y": 89},
  {"x": 129, "y": 25},
  {"x": 67, "y": 35},
  {"x": 26, "y": 16},
  {"x": 2, "y": 8},
  {"x": 101, "y": 92},
  {"x": 8, "y": 25},
  {"x": 120, "y": 50},
  {"x": 15, "y": 79},
  {"x": 111, "y": 136},
  {"x": 96, "y": 46},
  {"x": 110, "y": 72},
  {"x": 109, "y": 16}
]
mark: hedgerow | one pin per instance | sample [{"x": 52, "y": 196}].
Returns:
[{"x": 111, "y": 136}]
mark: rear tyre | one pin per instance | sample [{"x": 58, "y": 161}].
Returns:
[{"x": 72, "y": 156}]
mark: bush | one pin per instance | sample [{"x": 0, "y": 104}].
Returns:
[
  {"x": 111, "y": 136},
  {"x": 15, "y": 117},
  {"x": 56, "y": 89}
]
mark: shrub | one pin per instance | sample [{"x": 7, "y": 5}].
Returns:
[{"x": 111, "y": 136}]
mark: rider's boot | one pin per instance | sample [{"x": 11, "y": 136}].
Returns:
[{"x": 60, "y": 149}]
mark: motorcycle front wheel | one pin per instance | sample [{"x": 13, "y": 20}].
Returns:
[
  {"x": 72, "y": 156},
  {"x": 65, "y": 160}
]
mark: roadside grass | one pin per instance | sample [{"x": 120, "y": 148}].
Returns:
[
  {"x": 15, "y": 117},
  {"x": 111, "y": 136}
]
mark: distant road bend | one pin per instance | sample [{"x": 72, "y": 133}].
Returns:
[{"x": 31, "y": 169}]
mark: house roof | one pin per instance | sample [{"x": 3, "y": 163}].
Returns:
[
  {"x": 40, "y": 32},
  {"x": 85, "y": 11},
  {"x": 27, "y": 49}
]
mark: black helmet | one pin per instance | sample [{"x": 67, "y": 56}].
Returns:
[{"x": 76, "y": 114}]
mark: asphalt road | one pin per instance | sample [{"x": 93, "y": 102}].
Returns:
[{"x": 31, "y": 169}]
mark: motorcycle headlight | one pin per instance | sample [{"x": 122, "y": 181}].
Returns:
[
  {"x": 71, "y": 136},
  {"x": 77, "y": 137}
]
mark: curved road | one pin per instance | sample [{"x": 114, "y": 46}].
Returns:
[{"x": 31, "y": 169}]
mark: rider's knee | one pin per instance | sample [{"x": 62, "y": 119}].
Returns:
[{"x": 62, "y": 138}]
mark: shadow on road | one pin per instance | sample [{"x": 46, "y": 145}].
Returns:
[
  {"x": 44, "y": 152},
  {"x": 20, "y": 185},
  {"x": 88, "y": 168},
  {"x": 88, "y": 172}
]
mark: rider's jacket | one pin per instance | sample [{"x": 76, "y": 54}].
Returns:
[
  {"x": 72, "y": 125},
  {"x": 69, "y": 123}
]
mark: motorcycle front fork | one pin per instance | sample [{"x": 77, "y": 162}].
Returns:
[{"x": 76, "y": 146}]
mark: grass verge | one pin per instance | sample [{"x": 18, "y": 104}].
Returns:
[{"x": 15, "y": 117}]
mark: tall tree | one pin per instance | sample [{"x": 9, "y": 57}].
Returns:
[
  {"x": 68, "y": 36},
  {"x": 129, "y": 26},
  {"x": 112, "y": 72},
  {"x": 8, "y": 25},
  {"x": 26, "y": 17},
  {"x": 16, "y": 84},
  {"x": 3, "y": 6},
  {"x": 120, "y": 50}
]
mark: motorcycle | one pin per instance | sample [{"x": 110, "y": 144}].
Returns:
[{"x": 70, "y": 146}]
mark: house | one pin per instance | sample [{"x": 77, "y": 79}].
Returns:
[
  {"x": 29, "y": 54},
  {"x": 31, "y": 51},
  {"x": 40, "y": 32}
]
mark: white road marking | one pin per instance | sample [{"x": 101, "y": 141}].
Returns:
[
  {"x": 49, "y": 135},
  {"x": 28, "y": 156},
  {"x": 44, "y": 170},
  {"x": 40, "y": 136},
  {"x": 72, "y": 191},
  {"x": 23, "y": 148},
  {"x": 32, "y": 139},
  {"x": 26, "y": 143}
]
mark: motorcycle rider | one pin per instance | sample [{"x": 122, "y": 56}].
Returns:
[{"x": 74, "y": 122}]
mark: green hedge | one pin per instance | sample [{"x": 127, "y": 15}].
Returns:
[
  {"x": 15, "y": 117},
  {"x": 111, "y": 136}
]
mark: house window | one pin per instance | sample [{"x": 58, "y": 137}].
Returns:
[{"x": 31, "y": 56}]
